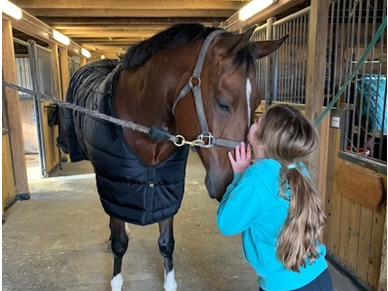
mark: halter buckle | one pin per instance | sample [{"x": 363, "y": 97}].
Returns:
[{"x": 210, "y": 140}]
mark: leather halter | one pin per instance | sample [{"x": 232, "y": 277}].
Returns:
[{"x": 205, "y": 139}]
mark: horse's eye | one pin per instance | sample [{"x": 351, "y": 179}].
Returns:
[{"x": 223, "y": 106}]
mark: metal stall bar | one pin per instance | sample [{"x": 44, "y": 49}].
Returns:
[
  {"x": 42, "y": 72},
  {"x": 24, "y": 79},
  {"x": 269, "y": 72},
  {"x": 260, "y": 34},
  {"x": 365, "y": 127},
  {"x": 352, "y": 26},
  {"x": 291, "y": 71},
  {"x": 36, "y": 102}
]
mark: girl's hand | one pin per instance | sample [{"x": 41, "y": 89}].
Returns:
[{"x": 243, "y": 158}]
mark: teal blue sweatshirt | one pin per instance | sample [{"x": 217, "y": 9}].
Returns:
[{"x": 253, "y": 206}]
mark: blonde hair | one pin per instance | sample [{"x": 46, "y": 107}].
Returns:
[{"x": 289, "y": 138}]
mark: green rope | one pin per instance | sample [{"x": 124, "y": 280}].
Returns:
[{"x": 358, "y": 65}]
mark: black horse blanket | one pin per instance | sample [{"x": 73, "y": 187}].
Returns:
[{"x": 129, "y": 190}]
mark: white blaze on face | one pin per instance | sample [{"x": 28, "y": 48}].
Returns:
[{"x": 248, "y": 92}]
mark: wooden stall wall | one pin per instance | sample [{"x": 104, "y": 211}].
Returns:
[
  {"x": 8, "y": 179},
  {"x": 51, "y": 151},
  {"x": 29, "y": 126},
  {"x": 356, "y": 210}
]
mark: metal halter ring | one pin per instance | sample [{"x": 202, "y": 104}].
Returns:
[{"x": 195, "y": 78}]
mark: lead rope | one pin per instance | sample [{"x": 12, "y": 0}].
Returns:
[{"x": 154, "y": 132}]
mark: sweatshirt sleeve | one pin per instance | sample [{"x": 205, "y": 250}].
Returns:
[{"x": 240, "y": 206}]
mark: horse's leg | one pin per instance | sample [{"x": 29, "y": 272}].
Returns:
[
  {"x": 166, "y": 248},
  {"x": 119, "y": 247}
]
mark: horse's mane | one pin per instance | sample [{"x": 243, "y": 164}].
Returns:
[{"x": 175, "y": 36}]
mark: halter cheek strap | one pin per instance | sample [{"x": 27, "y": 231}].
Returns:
[{"x": 205, "y": 139}]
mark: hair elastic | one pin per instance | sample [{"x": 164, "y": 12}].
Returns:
[{"x": 291, "y": 166}]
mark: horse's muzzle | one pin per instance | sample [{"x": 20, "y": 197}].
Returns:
[{"x": 214, "y": 189}]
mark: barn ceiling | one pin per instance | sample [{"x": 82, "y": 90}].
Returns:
[{"x": 110, "y": 27}]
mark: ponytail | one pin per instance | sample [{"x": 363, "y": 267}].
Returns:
[{"x": 300, "y": 234}]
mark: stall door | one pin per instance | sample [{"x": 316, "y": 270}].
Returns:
[{"x": 43, "y": 82}]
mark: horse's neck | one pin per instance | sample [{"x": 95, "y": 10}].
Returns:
[{"x": 144, "y": 103}]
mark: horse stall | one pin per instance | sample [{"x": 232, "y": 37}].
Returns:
[
  {"x": 355, "y": 130},
  {"x": 32, "y": 62},
  {"x": 318, "y": 67}
]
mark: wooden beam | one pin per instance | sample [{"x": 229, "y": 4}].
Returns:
[
  {"x": 234, "y": 24},
  {"x": 66, "y": 22},
  {"x": 34, "y": 27},
  {"x": 146, "y": 33},
  {"x": 130, "y": 13},
  {"x": 110, "y": 41},
  {"x": 88, "y": 5},
  {"x": 83, "y": 61},
  {"x": 57, "y": 82},
  {"x": 315, "y": 73},
  {"x": 105, "y": 48},
  {"x": 63, "y": 57},
  {"x": 92, "y": 28},
  {"x": 13, "y": 113},
  {"x": 383, "y": 267}
]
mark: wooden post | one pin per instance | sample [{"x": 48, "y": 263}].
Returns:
[
  {"x": 83, "y": 61},
  {"x": 13, "y": 113},
  {"x": 57, "y": 82},
  {"x": 63, "y": 55},
  {"x": 383, "y": 267},
  {"x": 315, "y": 87}
]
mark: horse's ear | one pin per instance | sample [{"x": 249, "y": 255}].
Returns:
[
  {"x": 239, "y": 41},
  {"x": 264, "y": 48}
]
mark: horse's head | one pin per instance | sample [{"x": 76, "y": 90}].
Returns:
[{"x": 228, "y": 85}]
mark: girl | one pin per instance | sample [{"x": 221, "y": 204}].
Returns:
[{"x": 275, "y": 207}]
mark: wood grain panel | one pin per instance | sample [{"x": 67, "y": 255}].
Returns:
[
  {"x": 363, "y": 188},
  {"x": 29, "y": 126},
  {"x": 334, "y": 220},
  {"x": 8, "y": 180},
  {"x": 49, "y": 139},
  {"x": 366, "y": 217},
  {"x": 13, "y": 109}
]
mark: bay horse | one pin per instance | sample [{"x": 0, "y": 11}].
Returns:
[{"x": 192, "y": 82}]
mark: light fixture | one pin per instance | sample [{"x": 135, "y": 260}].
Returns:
[
  {"x": 60, "y": 37},
  {"x": 254, "y": 7},
  {"x": 11, "y": 10},
  {"x": 85, "y": 53},
  {"x": 102, "y": 56}
]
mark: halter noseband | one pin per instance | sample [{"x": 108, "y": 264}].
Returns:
[{"x": 205, "y": 133}]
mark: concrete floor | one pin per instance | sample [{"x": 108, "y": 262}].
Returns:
[{"x": 58, "y": 240}]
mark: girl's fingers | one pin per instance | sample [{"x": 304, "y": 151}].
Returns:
[
  {"x": 242, "y": 151},
  {"x": 237, "y": 151}
]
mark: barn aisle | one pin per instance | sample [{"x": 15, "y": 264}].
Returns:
[{"x": 58, "y": 241}]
